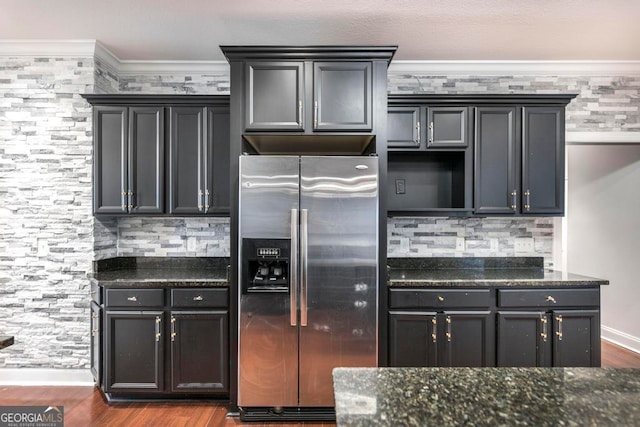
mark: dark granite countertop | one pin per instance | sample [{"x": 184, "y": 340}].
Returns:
[
  {"x": 486, "y": 396},
  {"x": 465, "y": 272},
  {"x": 161, "y": 272},
  {"x": 5, "y": 341}
]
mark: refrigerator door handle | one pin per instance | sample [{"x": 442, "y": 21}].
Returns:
[
  {"x": 293, "y": 274},
  {"x": 303, "y": 266}
]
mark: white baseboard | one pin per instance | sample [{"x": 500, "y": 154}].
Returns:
[
  {"x": 621, "y": 338},
  {"x": 51, "y": 377}
]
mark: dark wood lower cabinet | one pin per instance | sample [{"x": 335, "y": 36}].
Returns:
[
  {"x": 576, "y": 338},
  {"x": 565, "y": 338},
  {"x": 516, "y": 327},
  {"x": 468, "y": 339},
  {"x": 174, "y": 343},
  {"x": 134, "y": 351},
  {"x": 197, "y": 362},
  {"x": 96, "y": 342},
  {"x": 451, "y": 338},
  {"x": 412, "y": 339}
]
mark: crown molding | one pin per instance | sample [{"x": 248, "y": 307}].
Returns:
[
  {"x": 93, "y": 48},
  {"x": 518, "y": 68},
  {"x": 51, "y": 48},
  {"x": 130, "y": 67}
]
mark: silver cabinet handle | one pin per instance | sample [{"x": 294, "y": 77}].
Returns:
[
  {"x": 433, "y": 329},
  {"x": 527, "y": 203},
  {"x": 200, "y": 201},
  {"x": 303, "y": 266},
  {"x": 293, "y": 274},
  {"x": 448, "y": 334},
  {"x": 315, "y": 114},
  {"x": 158, "y": 320},
  {"x": 431, "y": 132},
  {"x": 132, "y": 299},
  {"x": 206, "y": 200},
  {"x": 123, "y": 199},
  {"x": 300, "y": 113},
  {"x": 559, "y": 331},
  {"x": 198, "y": 298},
  {"x": 131, "y": 204},
  {"x": 543, "y": 320},
  {"x": 514, "y": 200},
  {"x": 417, "y": 139},
  {"x": 173, "y": 329},
  {"x": 551, "y": 299}
]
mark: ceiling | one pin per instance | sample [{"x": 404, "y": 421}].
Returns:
[{"x": 423, "y": 29}]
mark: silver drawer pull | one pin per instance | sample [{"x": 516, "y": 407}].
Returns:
[
  {"x": 551, "y": 299},
  {"x": 440, "y": 298},
  {"x": 132, "y": 299},
  {"x": 198, "y": 298}
]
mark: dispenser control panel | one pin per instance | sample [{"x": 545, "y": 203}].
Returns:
[{"x": 268, "y": 252}]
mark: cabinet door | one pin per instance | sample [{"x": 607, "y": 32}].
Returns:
[
  {"x": 217, "y": 196},
  {"x": 412, "y": 339},
  {"x": 543, "y": 160},
  {"x": 134, "y": 351},
  {"x": 576, "y": 338},
  {"x": 274, "y": 96},
  {"x": 524, "y": 339},
  {"x": 146, "y": 160},
  {"x": 96, "y": 343},
  {"x": 447, "y": 127},
  {"x": 342, "y": 96},
  {"x": 403, "y": 127},
  {"x": 495, "y": 160},
  {"x": 110, "y": 160},
  {"x": 199, "y": 349},
  {"x": 468, "y": 339},
  {"x": 186, "y": 152}
]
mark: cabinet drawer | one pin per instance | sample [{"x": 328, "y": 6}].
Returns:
[
  {"x": 439, "y": 298},
  {"x": 548, "y": 297},
  {"x": 135, "y": 298},
  {"x": 209, "y": 298}
]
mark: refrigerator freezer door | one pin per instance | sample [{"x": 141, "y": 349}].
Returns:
[
  {"x": 340, "y": 195},
  {"x": 268, "y": 342}
]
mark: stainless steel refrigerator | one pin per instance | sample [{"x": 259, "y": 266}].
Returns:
[{"x": 308, "y": 282}]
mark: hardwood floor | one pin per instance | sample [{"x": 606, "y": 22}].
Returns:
[{"x": 84, "y": 406}]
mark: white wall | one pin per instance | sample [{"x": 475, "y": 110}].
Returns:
[{"x": 603, "y": 231}]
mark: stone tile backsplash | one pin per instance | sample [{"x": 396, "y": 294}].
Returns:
[{"x": 437, "y": 237}]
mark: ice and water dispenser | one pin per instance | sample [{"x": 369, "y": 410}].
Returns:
[{"x": 265, "y": 265}]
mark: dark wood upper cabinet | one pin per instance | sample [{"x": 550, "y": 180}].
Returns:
[
  {"x": 403, "y": 128},
  {"x": 274, "y": 96},
  {"x": 308, "y": 96},
  {"x": 496, "y": 170},
  {"x": 130, "y": 164},
  {"x": 129, "y": 160},
  {"x": 542, "y": 160},
  {"x": 342, "y": 96},
  {"x": 447, "y": 127},
  {"x": 199, "y": 160}
]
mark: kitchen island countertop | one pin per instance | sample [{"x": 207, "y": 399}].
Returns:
[
  {"x": 486, "y": 396},
  {"x": 161, "y": 272}
]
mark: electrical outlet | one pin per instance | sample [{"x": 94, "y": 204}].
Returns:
[
  {"x": 524, "y": 245},
  {"x": 401, "y": 187},
  {"x": 493, "y": 245},
  {"x": 460, "y": 246}
]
